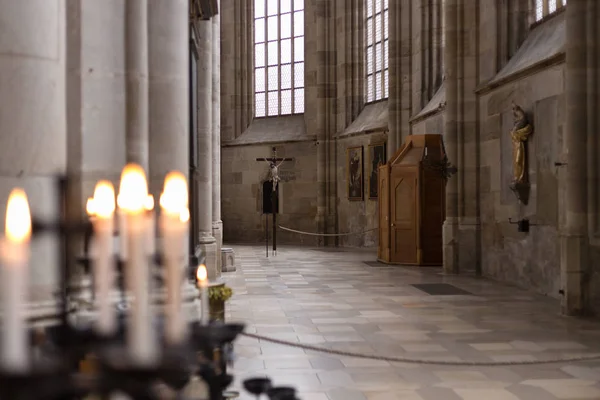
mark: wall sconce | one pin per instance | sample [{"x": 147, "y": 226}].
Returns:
[{"x": 522, "y": 224}]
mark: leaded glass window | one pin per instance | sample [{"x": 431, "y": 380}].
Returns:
[
  {"x": 544, "y": 8},
  {"x": 376, "y": 41},
  {"x": 278, "y": 57}
]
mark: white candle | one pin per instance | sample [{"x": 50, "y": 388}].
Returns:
[
  {"x": 104, "y": 209},
  {"x": 150, "y": 227},
  {"x": 425, "y": 151},
  {"x": 174, "y": 220},
  {"x": 202, "y": 277},
  {"x": 141, "y": 337},
  {"x": 122, "y": 221},
  {"x": 15, "y": 258}
]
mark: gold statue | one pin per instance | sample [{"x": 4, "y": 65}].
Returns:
[{"x": 521, "y": 131}]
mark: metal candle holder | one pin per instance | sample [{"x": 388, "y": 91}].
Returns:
[{"x": 204, "y": 354}]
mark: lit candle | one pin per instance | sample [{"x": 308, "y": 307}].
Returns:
[
  {"x": 89, "y": 208},
  {"x": 122, "y": 221},
  {"x": 133, "y": 192},
  {"x": 15, "y": 258},
  {"x": 150, "y": 226},
  {"x": 202, "y": 277},
  {"x": 103, "y": 209},
  {"x": 174, "y": 219}
]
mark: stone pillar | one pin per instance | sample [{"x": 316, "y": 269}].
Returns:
[
  {"x": 574, "y": 240},
  {"x": 95, "y": 87},
  {"x": 400, "y": 59},
  {"x": 33, "y": 114},
  {"x": 321, "y": 117},
  {"x": 204, "y": 176},
  {"x": 136, "y": 63},
  {"x": 450, "y": 228},
  {"x": 217, "y": 223},
  {"x": 168, "y": 63},
  {"x": 394, "y": 77}
]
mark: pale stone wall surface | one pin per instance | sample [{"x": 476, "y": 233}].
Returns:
[
  {"x": 357, "y": 215},
  {"x": 530, "y": 260},
  {"x": 241, "y": 186}
]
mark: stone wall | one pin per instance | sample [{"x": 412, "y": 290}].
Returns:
[
  {"x": 530, "y": 260},
  {"x": 433, "y": 124},
  {"x": 357, "y": 215},
  {"x": 241, "y": 187},
  {"x": 594, "y": 281}
]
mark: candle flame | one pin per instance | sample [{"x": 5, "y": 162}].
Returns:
[
  {"x": 149, "y": 204},
  {"x": 133, "y": 190},
  {"x": 89, "y": 207},
  {"x": 18, "y": 217},
  {"x": 184, "y": 216},
  {"x": 103, "y": 203},
  {"x": 174, "y": 198},
  {"x": 201, "y": 274}
]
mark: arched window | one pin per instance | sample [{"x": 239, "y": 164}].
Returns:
[
  {"x": 543, "y": 8},
  {"x": 376, "y": 43},
  {"x": 278, "y": 57}
]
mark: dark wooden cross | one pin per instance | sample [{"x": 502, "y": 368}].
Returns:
[{"x": 274, "y": 163}]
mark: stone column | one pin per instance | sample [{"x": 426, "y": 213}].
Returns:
[
  {"x": 33, "y": 114},
  {"x": 95, "y": 89},
  {"x": 574, "y": 240},
  {"x": 321, "y": 117},
  {"x": 217, "y": 223},
  {"x": 204, "y": 175},
  {"x": 450, "y": 228},
  {"x": 168, "y": 63},
  {"x": 394, "y": 78},
  {"x": 136, "y": 62}
]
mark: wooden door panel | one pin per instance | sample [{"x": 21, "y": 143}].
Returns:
[
  {"x": 384, "y": 215},
  {"x": 403, "y": 214},
  {"x": 432, "y": 220}
]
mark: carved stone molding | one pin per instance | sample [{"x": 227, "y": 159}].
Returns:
[{"x": 203, "y": 9}]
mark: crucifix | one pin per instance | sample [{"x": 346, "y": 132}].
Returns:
[{"x": 274, "y": 163}]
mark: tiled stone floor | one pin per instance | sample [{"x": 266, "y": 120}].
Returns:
[{"x": 336, "y": 301}]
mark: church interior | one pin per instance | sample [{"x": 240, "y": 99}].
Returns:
[{"x": 396, "y": 199}]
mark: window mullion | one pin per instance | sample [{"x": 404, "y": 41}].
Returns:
[
  {"x": 545, "y": 8},
  {"x": 266, "y": 61},
  {"x": 381, "y": 26},
  {"x": 292, "y": 69},
  {"x": 278, "y": 58},
  {"x": 374, "y": 56}
]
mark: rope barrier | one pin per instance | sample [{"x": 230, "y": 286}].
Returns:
[
  {"x": 326, "y": 234},
  {"x": 406, "y": 360}
]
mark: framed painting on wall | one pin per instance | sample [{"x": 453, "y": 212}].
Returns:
[
  {"x": 377, "y": 156},
  {"x": 354, "y": 165}
]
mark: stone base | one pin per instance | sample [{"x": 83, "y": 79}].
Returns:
[
  {"x": 227, "y": 259},
  {"x": 207, "y": 247},
  {"x": 86, "y": 312},
  {"x": 218, "y": 235},
  {"x": 450, "y": 243},
  {"x": 574, "y": 276}
]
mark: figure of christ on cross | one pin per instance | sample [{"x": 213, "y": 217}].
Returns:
[{"x": 274, "y": 164}]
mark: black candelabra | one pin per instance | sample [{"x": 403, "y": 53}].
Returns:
[{"x": 56, "y": 376}]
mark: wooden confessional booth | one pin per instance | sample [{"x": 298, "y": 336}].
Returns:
[{"x": 412, "y": 195}]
